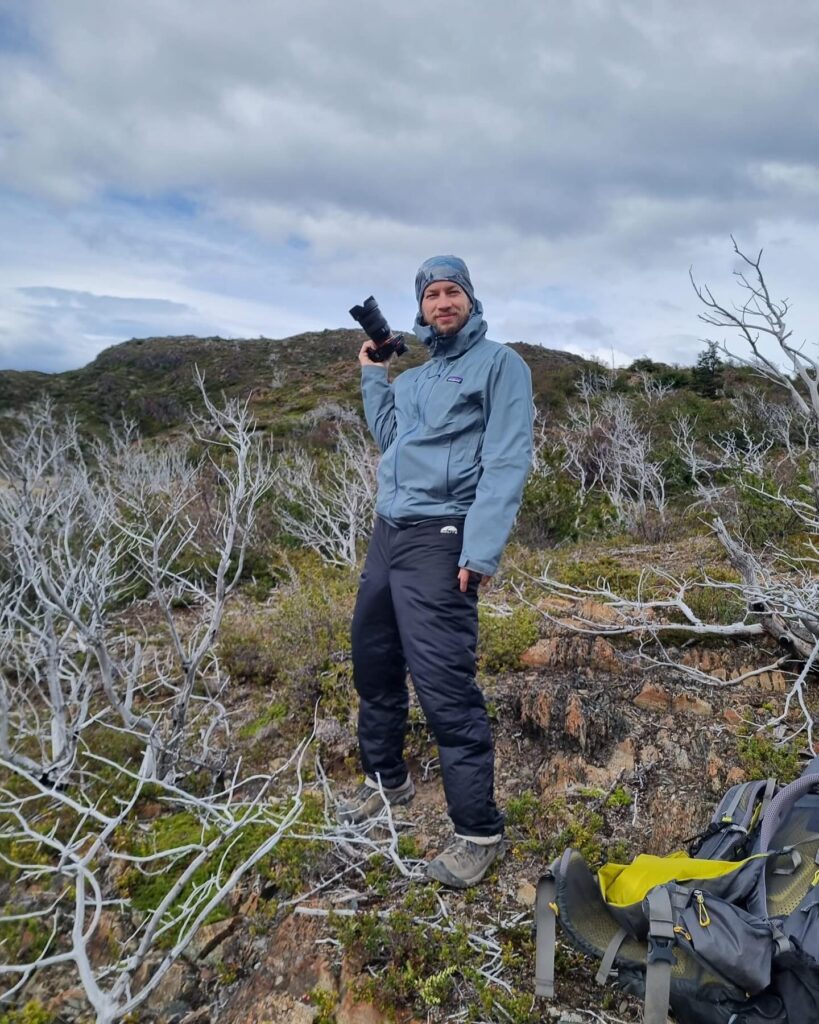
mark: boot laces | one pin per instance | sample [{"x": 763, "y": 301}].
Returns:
[{"x": 462, "y": 851}]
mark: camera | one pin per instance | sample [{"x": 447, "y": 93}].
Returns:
[{"x": 378, "y": 331}]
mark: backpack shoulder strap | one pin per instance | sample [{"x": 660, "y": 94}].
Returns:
[
  {"x": 545, "y": 935},
  {"x": 736, "y": 816},
  {"x": 660, "y": 956},
  {"x": 781, "y": 806}
]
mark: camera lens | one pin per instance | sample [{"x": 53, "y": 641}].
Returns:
[{"x": 372, "y": 321}]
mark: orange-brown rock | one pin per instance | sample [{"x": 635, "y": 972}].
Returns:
[
  {"x": 176, "y": 983},
  {"x": 561, "y": 772},
  {"x": 573, "y": 652},
  {"x": 106, "y": 941},
  {"x": 575, "y": 723},
  {"x": 541, "y": 654},
  {"x": 671, "y": 818},
  {"x": 553, "y": 605},
  {"x": 773, "y": 682},
  {"x": 526, "y": 893},
  {"x": 351, "y": 1011},
  {"x": 69, "y": 999},
  {"x": 564, "y": 773},
  {"x": 294, "y": 956},
  {"x": 622, "y": 758},
  {"x": 539, "y": 711},
  {"x": 269, "y": 1007},
  {"x": 733, "y": 718},
  {"x": 149, "y": 809},
  {"x": 210, "y": 936},
  {"x": 597, "y": 611},
  {"x": 653, "y": 697},
  {"x": 687, "y": 703},
  {"x": 604, "y": 656}
]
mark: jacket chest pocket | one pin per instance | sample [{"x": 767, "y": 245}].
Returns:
[{"x": 449, "y": 408}]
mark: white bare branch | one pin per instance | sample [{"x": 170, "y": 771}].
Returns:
[{"x": 328, "y": 503}]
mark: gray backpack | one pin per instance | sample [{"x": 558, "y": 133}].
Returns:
[{"x": 728, "y": 936}]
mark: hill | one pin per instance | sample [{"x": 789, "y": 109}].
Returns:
[{"x": 152, "y": 379}]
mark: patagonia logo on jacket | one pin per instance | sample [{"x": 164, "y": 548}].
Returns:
[
  {"x": 456, "y": 380},
  {"x": 449, "y": 529}
]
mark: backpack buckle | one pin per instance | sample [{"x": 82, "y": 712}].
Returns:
[{"x": 660, "y": 950}]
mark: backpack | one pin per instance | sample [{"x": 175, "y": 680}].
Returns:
[{"x": 727, "y": 934}]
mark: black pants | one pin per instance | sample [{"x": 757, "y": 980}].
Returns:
[{"x": 410, "y": 612}]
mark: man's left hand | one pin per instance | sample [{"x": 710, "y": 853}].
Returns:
[{"x": 463, "y": 579}]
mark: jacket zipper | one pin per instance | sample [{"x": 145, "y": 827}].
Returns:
[{"x": 430, "y": 379}]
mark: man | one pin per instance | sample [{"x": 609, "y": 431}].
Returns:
[{"x": 456, "y": 442}]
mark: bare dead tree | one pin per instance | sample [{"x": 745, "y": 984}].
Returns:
[
  {"x": 328, "y": 503},
  {"x": 775, "y": 595},
  {"x": 757, "y": 318},
  {"x": 605, "y": 448},
  {"x": 333, "y": 411},
  {"x": 721, "y": 461},
  {"x": 69, "y": 870},
  {"x": 65, "y": 568},
  {"x": 653, "y": 390},
  {"x": 83, "y": 536},
  {"x": 244, "y": 474},
  {"x": 791, "y": 428}
]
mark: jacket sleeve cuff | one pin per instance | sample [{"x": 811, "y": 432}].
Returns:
[{"x": 484, "y": 568}]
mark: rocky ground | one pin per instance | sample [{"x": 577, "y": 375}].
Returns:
[{"x": 592, "y": 751}]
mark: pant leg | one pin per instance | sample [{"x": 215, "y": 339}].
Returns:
[
  {"x": 438, "y": 626},
  {"x": 379, "y": 667}
]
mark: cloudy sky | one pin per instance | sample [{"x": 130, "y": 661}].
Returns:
[{"x": 256, "y": 167}]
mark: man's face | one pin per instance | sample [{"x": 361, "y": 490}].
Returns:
[{"x": 445, "y": 306}]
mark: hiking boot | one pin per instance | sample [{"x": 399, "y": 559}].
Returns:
[
  {"x": 464, "y": 863},
  {"x": 367, "y": 801}
]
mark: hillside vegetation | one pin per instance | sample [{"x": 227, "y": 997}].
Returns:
[{"x": 151, "y": 379}]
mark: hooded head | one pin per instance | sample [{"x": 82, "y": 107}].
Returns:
[
  {"x": 441, "y": 340},
  {"x": 443, "y": 268}
]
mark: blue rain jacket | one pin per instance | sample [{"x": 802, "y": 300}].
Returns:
[{"x": 455, "y": 436}]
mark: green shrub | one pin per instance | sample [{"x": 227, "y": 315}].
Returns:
[
  {"x": 504, "y": 638},
  {"x": 761, "y": 518},
  {"x": 549, "y": 510},
  {"x": 762, "y": 758},
  {"x": 32, "y": 1013},
  {"x": 325, "y": 1003},
  {"x": 305, "y": 631},
  {"x": 287, "y": 867},
  {"x": 717, "y": 604},
  {"x": 605, "y": 569},
  {"x": 620, "y": 797},
  {"x": 270, "y": 713},
  {"x": 414, "y": 966},
  {"x": 545, "y": 828}
]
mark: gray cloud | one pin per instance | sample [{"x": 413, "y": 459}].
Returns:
[
  {"x": 92, "y": 322},
  {"x": 284, "y": 153},
  {"x": 551, "y": 121}
]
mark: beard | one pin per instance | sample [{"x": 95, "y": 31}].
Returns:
[{"x": 447, "y": 329}]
